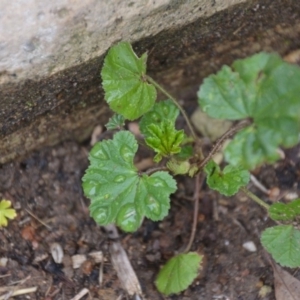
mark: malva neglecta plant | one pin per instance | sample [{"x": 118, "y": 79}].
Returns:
[{"x": 261, "y": 93}]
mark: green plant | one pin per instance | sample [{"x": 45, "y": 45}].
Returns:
[
  {"x": 6, "y": 212},
  {"x": 260, "y": 92}
]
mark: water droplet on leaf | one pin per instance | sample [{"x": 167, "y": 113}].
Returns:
[
  {"x": 100, "y": 215},
  {"x": 127, "y": 218},
  {"x": 100, "y": 154},
  {"x": 153, "y": 206},
  {"x": 119, "y": 178},
  {"x": 158, "y": 182},
  {"x": 126, "y": 153}
]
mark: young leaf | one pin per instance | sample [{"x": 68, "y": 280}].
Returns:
[
  {"x": 283, "y": 243},
  {"x": 285, "y": 212},
  {"x": 124, "y": 84},
  {"x": 164, "y": 139},
  {"x": 228, "y": 181},
  {"x": 118, "y": 193},
  {"x": 178, "y": 273},
  {"x": 163, "y": 110},
  {"x": 115, "y": 122},
  {"x": 265, "y": 89},
  {"x": 178, "y": 166},
  {"x": 6, "y": 212}
]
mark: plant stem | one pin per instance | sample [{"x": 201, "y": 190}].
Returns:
[
  {"x": 221, "y": 140},
  {"x": 159, "y": 87},
  {"x": 198, "y": 183},
  {"x": 255, "y": 198},
  {"x": 259, "y": 185},
  {"x": 155, "y": 169}
]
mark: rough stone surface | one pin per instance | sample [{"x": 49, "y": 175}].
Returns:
[
  {"x": 40, "y": 38},
  {"x": 43, "y": 110}
]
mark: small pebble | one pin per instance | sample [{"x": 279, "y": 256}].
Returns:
[
  {"x": 3, "y": 261},
  {"x": 57, "y": 252},
  {"x": 250, "y": 246},
  {"x": 291, "y": 196}
]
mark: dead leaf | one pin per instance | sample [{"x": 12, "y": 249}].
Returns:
[
  {"x": 209, "y": 127},
  {"x": 287, "y": 287}
]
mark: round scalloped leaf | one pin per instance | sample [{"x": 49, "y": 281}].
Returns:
[
  {"x": 227, "y": 182},
  {"x": 285, "y": 212},
  {"x": 164, "y": 139},
  {"x": 118, "y": 193},
  {"x": 249, "y": 150},
  {"x": 124, "y": 84},
  {"x": 115, "y": 122},
  {"x": 264, "y": 88},
  {"x": 178, "y": 273},
  {"x": 163, "y": 110},
  {"x": 215, "y": 92},
  {"x": 259, "y": 143},
  {"x": 283, "y": 243}
]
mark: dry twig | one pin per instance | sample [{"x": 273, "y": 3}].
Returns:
[
  {"x": 81, "y": 294},
  {"x": 11, "y": 292}
]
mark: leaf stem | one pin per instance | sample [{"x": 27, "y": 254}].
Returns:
[
  {"x": 221, "y": 141},
  {"x": 198, "y": 183},
  {"x": 255, "y": 198},
  {"x": 159, "y": 87},
  {"x": 156, "y": 169}
]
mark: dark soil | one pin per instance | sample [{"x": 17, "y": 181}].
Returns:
[{"x": 47, "y": 185}]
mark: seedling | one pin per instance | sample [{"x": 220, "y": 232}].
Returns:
[
  {"x": 261, "y": 93},
  {"x": 6, "y": 212}
]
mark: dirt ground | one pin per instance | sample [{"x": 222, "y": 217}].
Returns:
[{"x": 45, "y": 189}]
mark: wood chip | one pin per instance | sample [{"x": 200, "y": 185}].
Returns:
[
  {"x": 78, "y": 260},
  {"x": 81, "y": 294},
  {"x": 96, "y": 134},
  {"x": 122, "y": 264},
  {"x": 16, "y": 292},
  {"x": 97, "y": 256}
]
